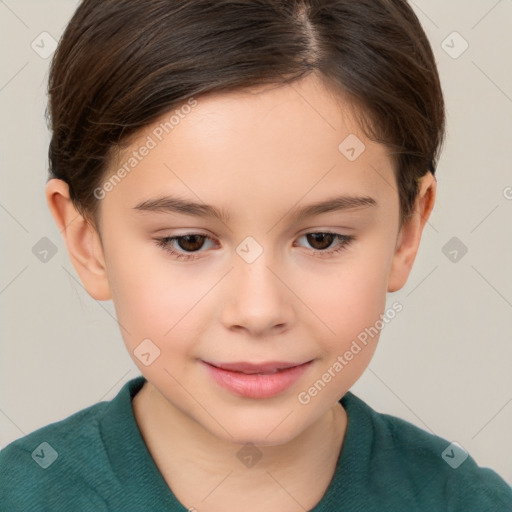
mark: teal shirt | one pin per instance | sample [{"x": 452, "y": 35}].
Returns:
[{"x": 97, "y": 460}]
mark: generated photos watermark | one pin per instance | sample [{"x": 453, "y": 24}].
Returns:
[
  {"x": 151, "y": 142},
  {"x": 304, "y": 397}
]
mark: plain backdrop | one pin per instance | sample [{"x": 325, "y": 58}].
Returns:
[{"x": 444, "y": 362}]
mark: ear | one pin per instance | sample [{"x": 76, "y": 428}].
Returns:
[
  {"x": 410, "y": 234},
  {"x": 82, "y": 240}
]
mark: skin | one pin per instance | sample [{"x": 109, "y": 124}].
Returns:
[{"x": 257, "y": 155}]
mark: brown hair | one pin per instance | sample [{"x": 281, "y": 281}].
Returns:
[{"x": 122, "y": 64}]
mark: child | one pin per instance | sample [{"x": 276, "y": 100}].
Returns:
[{"x": 201, "y": 153}]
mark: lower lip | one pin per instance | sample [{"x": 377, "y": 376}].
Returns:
[{"x": 257, "y": 386}]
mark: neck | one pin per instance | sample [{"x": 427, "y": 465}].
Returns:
[{"x": 303, "y": 467}]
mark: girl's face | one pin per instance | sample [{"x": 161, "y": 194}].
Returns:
[{"x": 254, "y": 284}]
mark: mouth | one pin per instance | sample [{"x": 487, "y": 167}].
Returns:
[
  {"x": 247, "y": 368},
  {"x": 256, "y": 380}
]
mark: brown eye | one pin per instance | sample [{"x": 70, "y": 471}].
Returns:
[
  {"x": 184, "y": 247},
  {"x": 190, "y": 242},
  {"x": 326, "y": 244},
  {"x": 320, "y": 241}
]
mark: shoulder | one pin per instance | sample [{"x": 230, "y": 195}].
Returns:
[
  {"x": 428, "y": 468},
  {"x": 45, "y": 465}
]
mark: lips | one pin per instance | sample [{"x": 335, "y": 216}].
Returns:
[
  {"x": 267, "y": 368},
  {"x": 257, "y": 381}
]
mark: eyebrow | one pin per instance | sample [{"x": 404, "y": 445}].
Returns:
[{"x": 172, "y": 204}]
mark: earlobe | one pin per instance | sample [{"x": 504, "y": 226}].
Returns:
[
  {"x": 410, "y": 234},
  {"x": 82, "y": 240}
]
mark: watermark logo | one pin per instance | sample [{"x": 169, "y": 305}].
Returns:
[
  {"x": 45, "y": 455},
  {"x": 146, "y": 352},
  {"x": 454, "y": 249},
  {"x": 352, "y": 147},
  {"x": 44, "y": 45},
  {"x": 455, "y": 45},
  {"x": 454, "y": 455},
  {"x": 249, "y": 250},
  {"x": 44, "y": 250},
  {"x": 249, "y": 455}
]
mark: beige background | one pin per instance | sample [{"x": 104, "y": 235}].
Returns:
[{"x": 443, "y": 364}]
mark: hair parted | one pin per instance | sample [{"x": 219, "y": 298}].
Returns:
[{"x": 122, "y": 64}]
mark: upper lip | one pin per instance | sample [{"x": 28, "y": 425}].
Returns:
[{"x": 247, "y": 367}]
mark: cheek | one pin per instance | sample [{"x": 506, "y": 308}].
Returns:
[
  {"x": 153, "y": 298},
  {"x": 351, "y": 299},
  {"x": 360, "y": 285}
]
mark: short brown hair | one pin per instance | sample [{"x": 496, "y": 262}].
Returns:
[{"x": 122, "y": 64}]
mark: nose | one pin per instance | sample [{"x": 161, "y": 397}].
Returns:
[{"x": 257, "y": 300}]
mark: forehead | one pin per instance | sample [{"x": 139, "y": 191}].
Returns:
[{"x": 271, "y": 141}]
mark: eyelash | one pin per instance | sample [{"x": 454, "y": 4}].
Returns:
[{"x": 345, "y": 241}]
